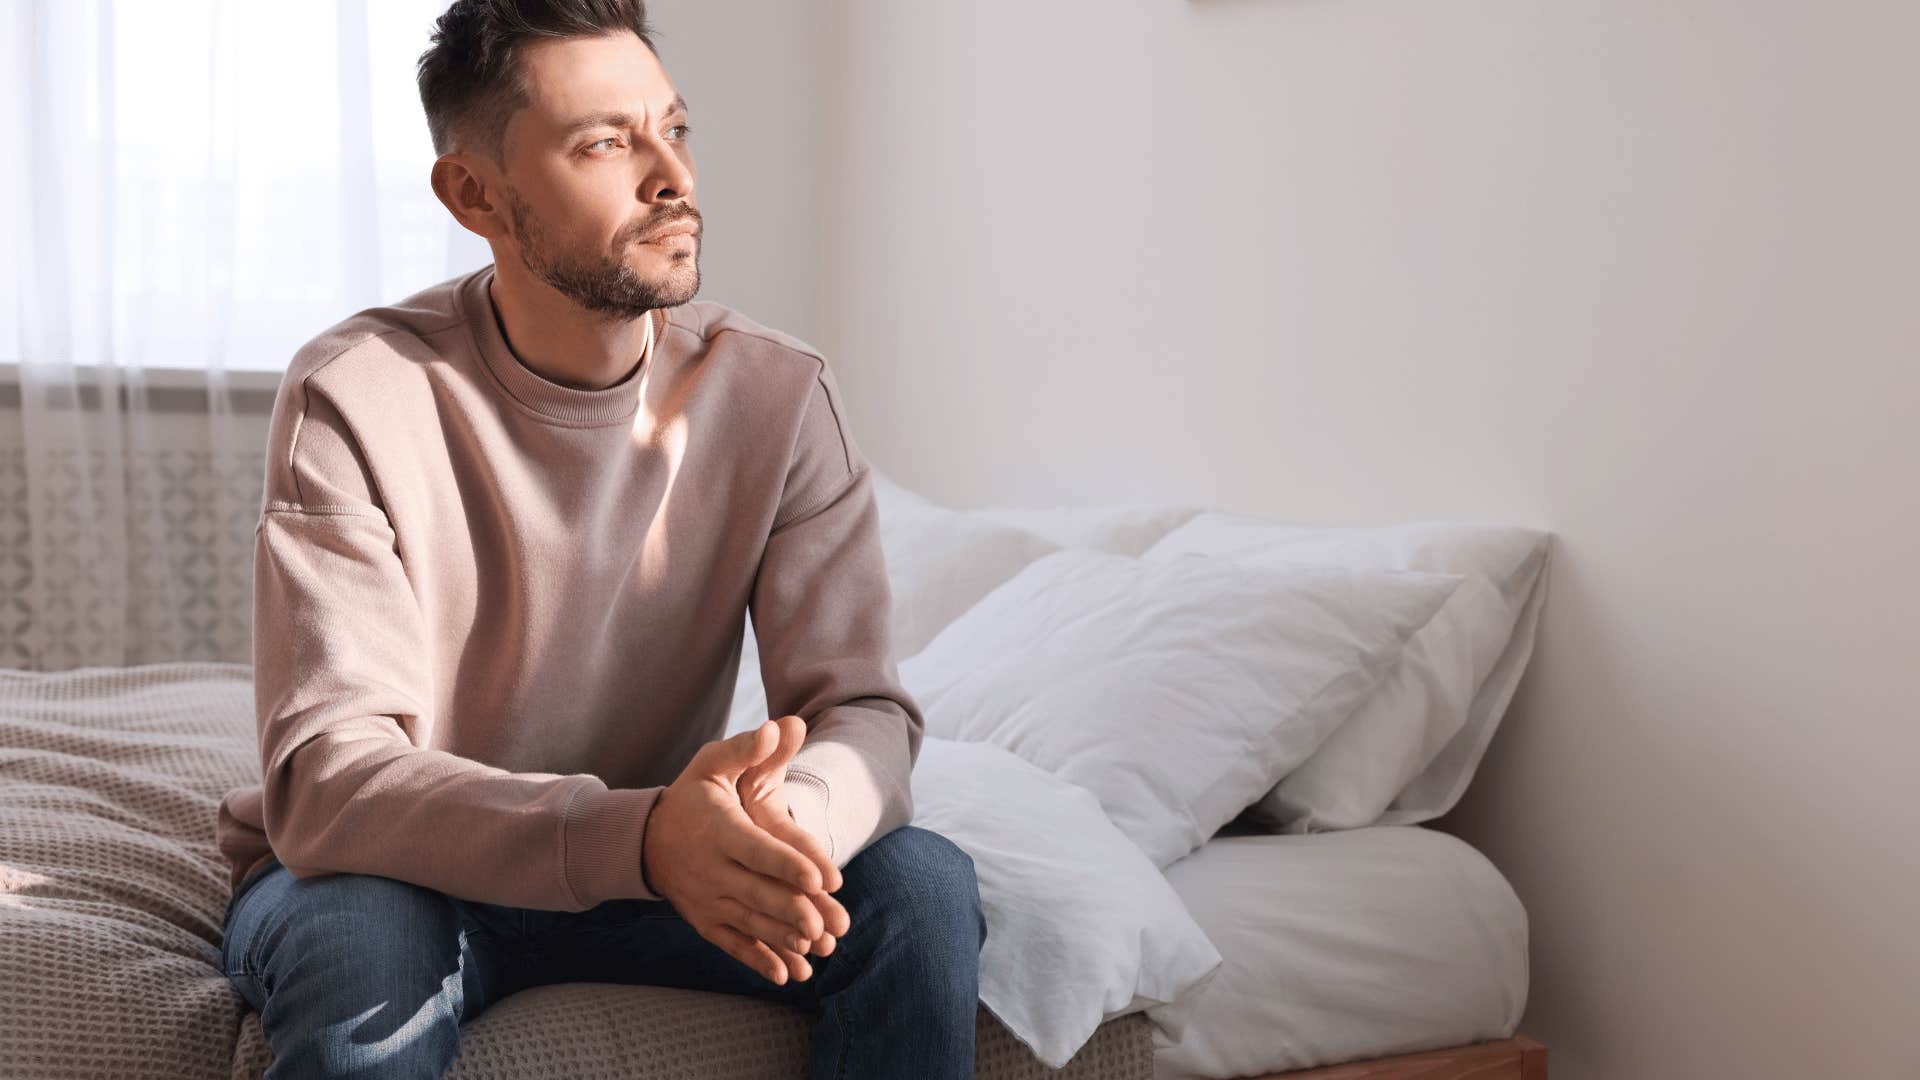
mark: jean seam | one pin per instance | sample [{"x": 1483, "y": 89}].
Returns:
[
  {"x": 230, "y": 973},
  {"x": 245, "y": 968},
  {"x": 460, "y": 961},
  {"x": 226, "y": 924},
  {"x": 234, "y": 978},
  {"x": 846, "y": 1020},
  {"x": 846, "y": 1042}
]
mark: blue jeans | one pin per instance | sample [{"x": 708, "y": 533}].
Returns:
[{"x": 355, "y": 974}]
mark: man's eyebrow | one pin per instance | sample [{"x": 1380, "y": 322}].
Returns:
[{"x": 617, "y": 119}]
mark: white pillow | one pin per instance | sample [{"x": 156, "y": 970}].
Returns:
[
  {"x": 1124, "y": 529},
  {"x": 1437, "y": 709},
  {"x": 1081, "y": 928},
  {"x": 1352, "y": 944},
  {"x": 940, "y": 562},
  {"x": 1440, "y": 785},
  {"x": 1176, "y": 690}
]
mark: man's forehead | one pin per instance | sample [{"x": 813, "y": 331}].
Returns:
[{"x": 569, "y": 78}]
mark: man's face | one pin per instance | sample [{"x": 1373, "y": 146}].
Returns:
[{"x": 597, "y": 162}]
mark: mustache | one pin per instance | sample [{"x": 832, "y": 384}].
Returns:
[{"x": 662, "y": 220}]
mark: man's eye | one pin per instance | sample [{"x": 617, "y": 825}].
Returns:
[
  {"x": 608, "y": 139},
  {"x": 685, "y": 129}
]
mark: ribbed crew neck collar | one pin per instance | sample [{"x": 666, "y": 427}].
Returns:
[{"x": 566, "y": 405}]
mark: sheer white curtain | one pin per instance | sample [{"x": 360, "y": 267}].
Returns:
[{"x": 194, "y": 189}]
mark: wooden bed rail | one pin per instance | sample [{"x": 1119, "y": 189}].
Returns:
[{"x": 1518, "y": 1058}]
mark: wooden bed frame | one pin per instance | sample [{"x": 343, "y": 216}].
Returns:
[{"x": 1518, "y": 1058}]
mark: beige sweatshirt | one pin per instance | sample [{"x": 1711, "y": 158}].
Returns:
[{"x": 494, "y": 614}]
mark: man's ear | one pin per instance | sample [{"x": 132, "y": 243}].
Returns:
[{"x": 463, "y": 190}]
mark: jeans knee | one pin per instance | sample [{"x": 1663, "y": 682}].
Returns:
[
  {"x": 937, "y": 895},
  {"x": 362, "y": 922},
  {"x": 932, "y": 855},
  {"x": 353, "y": 974}
]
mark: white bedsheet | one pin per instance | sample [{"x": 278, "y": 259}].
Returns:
[{"x": 1346, "y": 945}]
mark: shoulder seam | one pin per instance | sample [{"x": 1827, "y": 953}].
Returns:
[
  {"x": 809, "y": 352},
  {"x": 846, "y": 453},
  {"x": 293, "y": 441},
  {"x": 306, "y": 393},
  {"x": 839, "y": 425},
  {"x": 699, "y": 329},
  {"x": 372, "y": 335},
  {"x": 800, "y": 516}
]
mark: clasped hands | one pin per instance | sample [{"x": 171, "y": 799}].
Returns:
[{"x": 723, "y": 848}]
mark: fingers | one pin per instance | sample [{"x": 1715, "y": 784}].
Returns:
[
  {"x": 783, "y": 939},
  {"x": 774, "y": 898},
  {"x": 758, "y": 781},
  {"x": 765, "y": 853},
  {"x": 757, "y": 924},
  {"x": 813, "y": 915},
  {"x": 833, "y": 915},
  {"x": 735, "y": 754},
  {"x": 793, "y": 735},
  {"x": 796, "y": 836},
  {"x": 776, "y": 852},
  {"x": 796, "y": 962},
  {"x": 780, "y": 940},
  {"x": 748, "y": 950},
  {"x": 775, "y": 963}
]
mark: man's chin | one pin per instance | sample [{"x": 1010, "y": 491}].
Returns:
[
  {"x": 675, "y": 289},
  {"x": 668, "y": 276}
]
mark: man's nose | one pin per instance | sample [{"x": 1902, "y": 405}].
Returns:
[{"x": 667, "y": 178}]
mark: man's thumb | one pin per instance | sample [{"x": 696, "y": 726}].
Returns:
[{"x": 738, "y": 753}]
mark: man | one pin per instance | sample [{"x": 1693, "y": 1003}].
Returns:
[{"x": 512, "y": 528}]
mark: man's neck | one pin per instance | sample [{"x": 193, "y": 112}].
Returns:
[{"x": 558, "y": 341}]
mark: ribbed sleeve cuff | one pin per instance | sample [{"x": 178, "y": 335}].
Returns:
[
  {"x": 603, "y": 833},
  {"x": 807, "y": 797}
]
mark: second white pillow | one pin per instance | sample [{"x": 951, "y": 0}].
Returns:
[
  {"x": 1420, "y": 734},
  {"x": 1081, "y": 928},
  {"x": 1178, "y": 690}
]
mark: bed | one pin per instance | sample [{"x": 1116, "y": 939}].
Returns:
[{"x": 112, "y": 895}]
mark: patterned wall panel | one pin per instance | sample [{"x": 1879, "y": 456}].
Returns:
[{"x": 163, "y": 573}]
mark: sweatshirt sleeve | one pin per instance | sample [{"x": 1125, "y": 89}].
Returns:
[
  {"x": 822, "y": 611},
  {"x": 343, "y": 690}
]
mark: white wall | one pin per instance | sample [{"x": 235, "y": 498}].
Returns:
[
  {"x": 755, "y": 83},
  {"x": 1638, "y": 271}
]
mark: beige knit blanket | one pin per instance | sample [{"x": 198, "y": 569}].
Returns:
[{"x": 112, "y": 894}]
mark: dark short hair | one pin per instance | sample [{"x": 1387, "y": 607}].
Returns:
[{"x": 470, "y": 77}]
